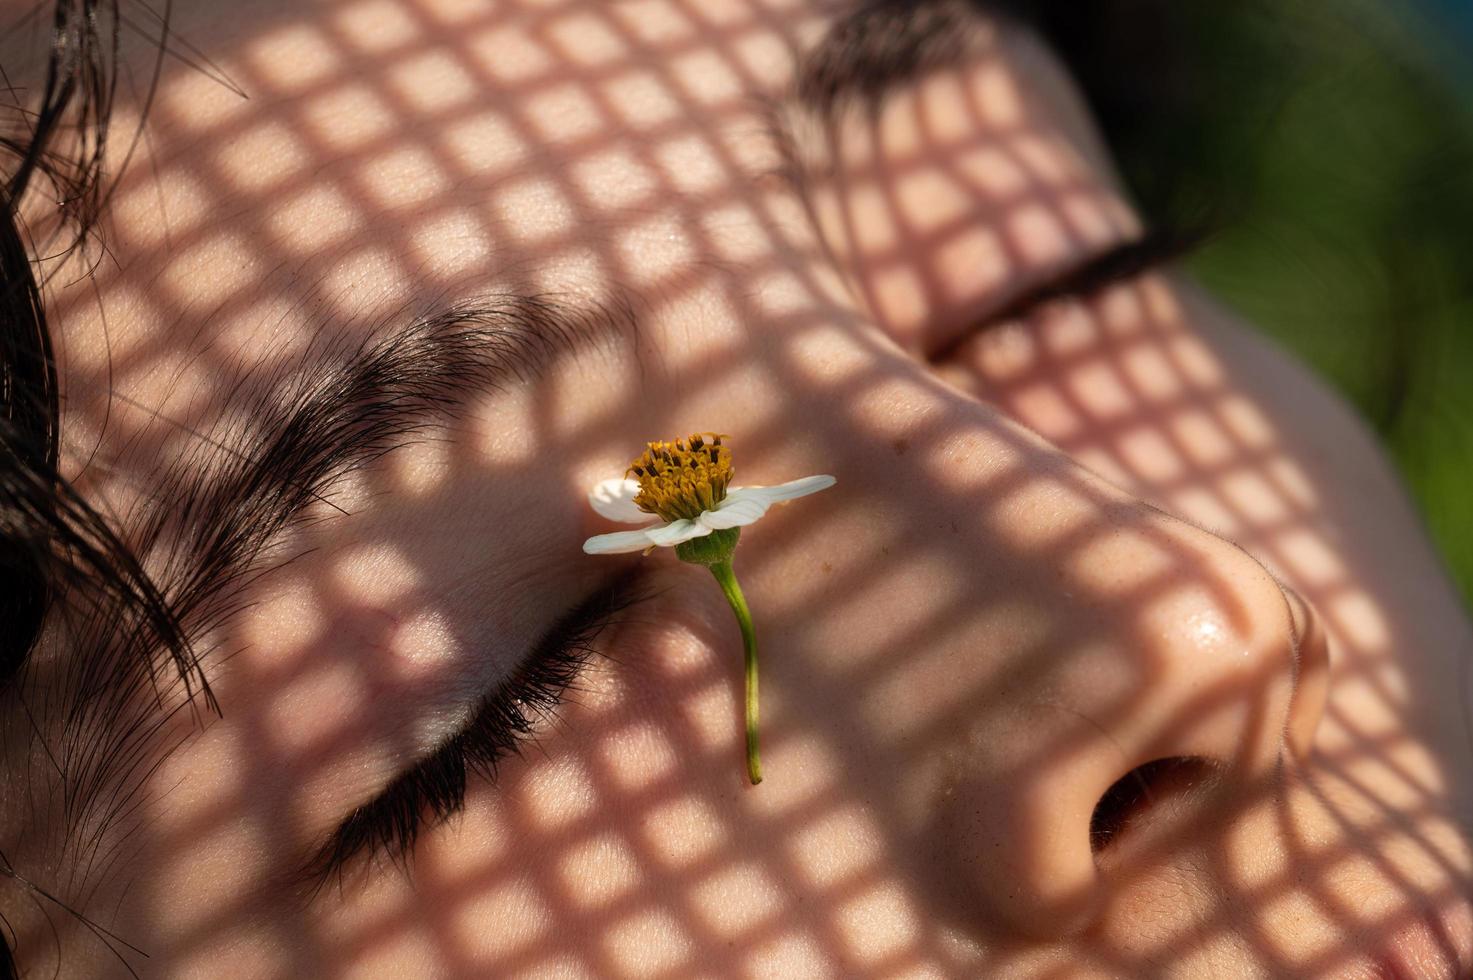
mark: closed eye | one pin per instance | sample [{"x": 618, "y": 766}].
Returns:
[
  {"x": 507, "y": 720},
  {"x": 1158, "y": 246}
]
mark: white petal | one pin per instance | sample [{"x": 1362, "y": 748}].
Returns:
[
  {"x": 669, "y": 535},
  {"x": 614, "y": 499},
  {"x": 791, "y": 490},
  {"x": 743, "y": 505},
  {"x": 734, "y": 513},
  {"x": 620, "y": 542}
]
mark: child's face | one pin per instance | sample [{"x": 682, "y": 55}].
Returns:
[{"x": 1061, "y": 545}]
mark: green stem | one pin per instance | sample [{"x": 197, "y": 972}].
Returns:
[{"x": 727, "y": 579}]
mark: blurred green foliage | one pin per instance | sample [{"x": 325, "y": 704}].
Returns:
[{"x": 1332, "y": 142}]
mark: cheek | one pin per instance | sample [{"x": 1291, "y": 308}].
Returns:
[{"x": 628, "y": 836}]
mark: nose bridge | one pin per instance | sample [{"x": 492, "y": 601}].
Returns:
[{"x": 1173, "y": 644}]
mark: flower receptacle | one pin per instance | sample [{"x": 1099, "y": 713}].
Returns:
[{"x": 714, "y": 549}]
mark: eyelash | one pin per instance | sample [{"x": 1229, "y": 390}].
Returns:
[{"x": 504, "y": 723}]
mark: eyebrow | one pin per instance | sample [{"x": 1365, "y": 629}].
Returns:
[{"x": 879, "y": 45}]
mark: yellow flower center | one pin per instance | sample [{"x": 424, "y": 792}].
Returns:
[{"x": 681, "y": 479}]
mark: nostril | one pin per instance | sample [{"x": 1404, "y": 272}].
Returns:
[{"x": 1145, "y": 788}]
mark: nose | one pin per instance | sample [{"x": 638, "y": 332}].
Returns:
[{"x": 1211, "y": 667}]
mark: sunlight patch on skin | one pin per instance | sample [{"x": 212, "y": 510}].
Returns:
[
  {"x": 1068, "y": 330},
  {"x": 1202, "y": 439},
  {"x": 690, "y": 166},
  {"x": 837, "y": 847},
  {"x": 1086, "y": 213},
  {"x": 737, "y": 899},
  {"x": 597, "y": 403},
  {"x": 376, "y": 26},
  {"x": 879, "y": 924},
  {"x": 209, "y": 870},
  {"x": 151, "y": 211},
  {"x": 946, "y": 99},
  {"x": 1356, "y": 613},
  {"x": 282, "y": 626},
  {"x": 827, "y": 356},
  {"x": 1247, "y": 492},
  {"x": 453, "y": 244},
  {"x": 811, "y": 760},
  {"x": 133, "y": 327},
  {"x": 599, "y": 871},
  {"x": 647, "y": 943},
  {"x": 931, "y": 201},
  {"x": 734, "y": 233},
  {"x": 520, "y": 914},
  {"x": 378, "y": 575},
  {"x": 1250, "y": 865},
  {"x": 172, "y": 385},
  {"x": 1043, "y": 409},
  {"x": 707, "y": 78},
  {"x": 657, "y": 23},
  {"x": 557, "y": 794},
  {"x": 1290, "y": 479},
  {"x": 1038, "y": 235},
  {"x": 534, "y": 210},
  {"x": 683, "y": 832},
  {"x": 1206, "y": 509},
  {"x": 992, "y": 172},
  {"x": 614, "y": 179},
  {"x": 970, "y": 265},
  {"x": 1120, "y": 563},
  {"x": 510, "y": 55},
  {"x": 1190, "y": 620},
  {"x": 587, "y": 40},
  {"x": 403, "y": 177},
  {"x": 208, "y": 273},
  {"x": 484, "y": 144},
  {"x": 266, "y": 155},
  {"x": 314, "y": 220},
  {"x": 1096, "y": 387},
  {"x": 371, "y": 278},
  {"x": 242, "y": 949},
  {"x": 971, "y": 460},
  {"x": 1048, "y": 161},
  {"x": 422, "y": 467},
  {"x": 1150, "y": 456},
  {"x": 638, "y": 756},
  {"x": 425, "y": 644},
  {"x": 1067, "y": 512},
  {"x": 869, "y": 217},
  {"x": 434, "y": 82},
  {"x": 501, "y": 428},
  {"x": 347, "y": 118},
  {"x": 655, "y": 251},
  {"x": 1315, "y": 565},
  {"x": 706, "y": 715},
  {"x": 995, "y": 91},
  {"x": 317, "y": 707},
  {"x": 1151, "y": 376},
  {"x": 641, "y": 100},
  {"x": 289, "y": 59},
  {"x": 564, "y": 114},
  {"x": 1004, "y": 354},
  {"x": 791, "y": 954}
]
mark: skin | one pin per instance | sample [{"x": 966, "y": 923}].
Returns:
[{"x": 1115, "y": 529}]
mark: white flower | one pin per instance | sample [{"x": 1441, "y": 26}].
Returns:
[{"x": 741, "y": 506}]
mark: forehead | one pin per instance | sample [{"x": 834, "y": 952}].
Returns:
[{"x": 362, "y": 155}]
